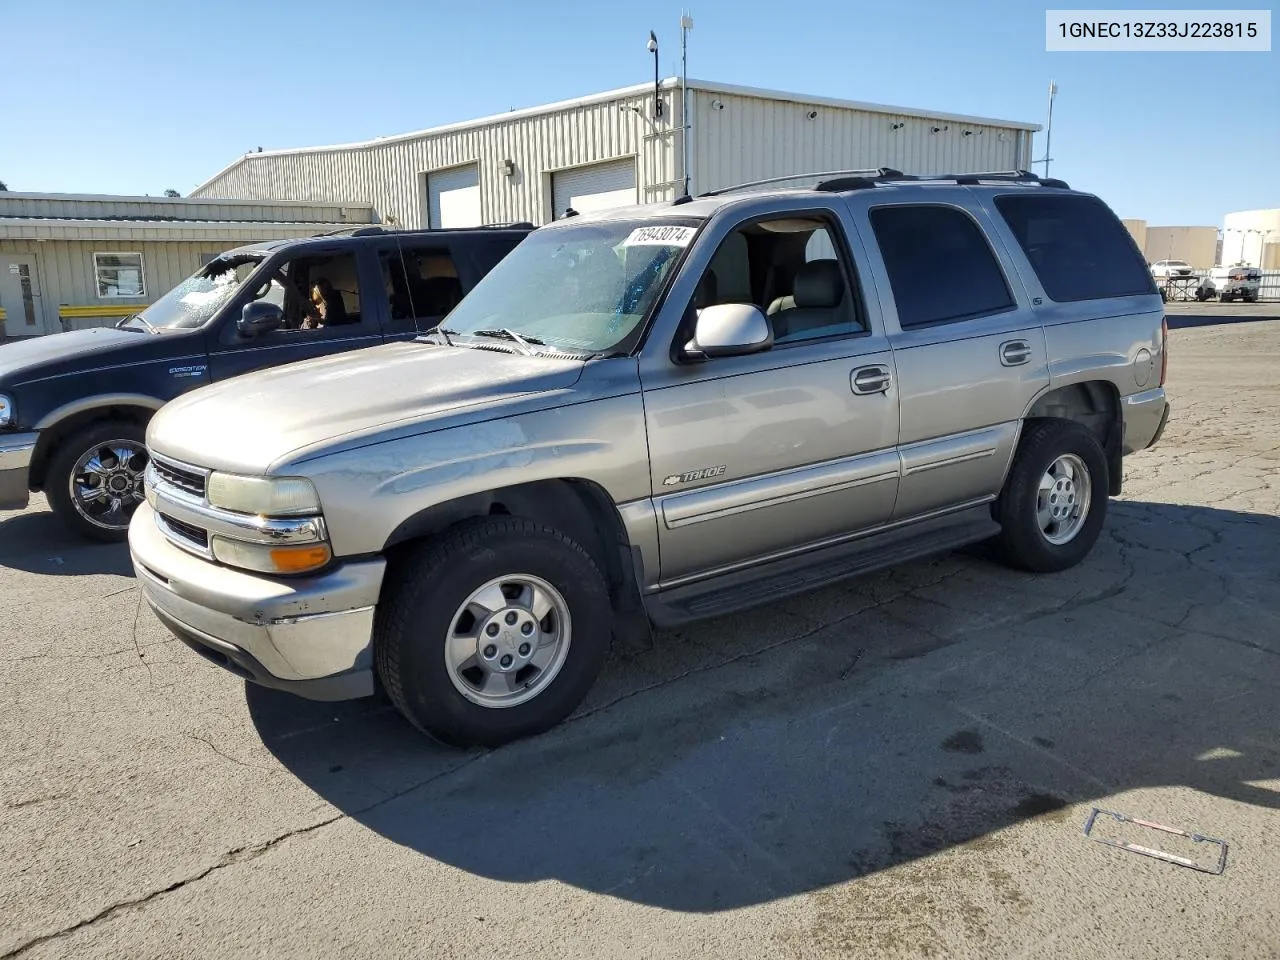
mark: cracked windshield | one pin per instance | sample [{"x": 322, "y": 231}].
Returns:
[
  {"x": 588, "y": 287},
  {"x": 194, "y": 301}
]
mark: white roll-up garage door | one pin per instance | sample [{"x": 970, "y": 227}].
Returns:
[
  {"x": 597, "y": 187},
  {"x": 453, "y": 197}
]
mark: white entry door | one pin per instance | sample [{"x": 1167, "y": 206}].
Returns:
[
  {"x": 597, "y": 187},
  {"x": 453, "y": 197},
  {"x": 20, "y": 295}
]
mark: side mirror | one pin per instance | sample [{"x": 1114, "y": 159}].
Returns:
[
  {"x": 729, "y": 330},
  {"x": 258, "y": 318}
]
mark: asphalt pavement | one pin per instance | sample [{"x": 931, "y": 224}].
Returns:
[{"x": 898, "y": 767}]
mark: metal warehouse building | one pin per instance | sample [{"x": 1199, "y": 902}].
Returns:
[
  {"x": 620, "y": 147},
  {"x": 69, "y": 261}
]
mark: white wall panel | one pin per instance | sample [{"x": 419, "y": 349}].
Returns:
[{"x": 753, "y": 138}]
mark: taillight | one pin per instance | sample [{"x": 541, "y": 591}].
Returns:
[{"x": 1164, "y": 348}]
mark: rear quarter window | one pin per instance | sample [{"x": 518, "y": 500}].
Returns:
[{"x": 1078, "y": 248}]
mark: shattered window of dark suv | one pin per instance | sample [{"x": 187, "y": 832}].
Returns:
[{"x": 197, "y": 299}]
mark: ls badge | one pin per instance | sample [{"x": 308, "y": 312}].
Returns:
[{"x": 688, "y": 477}]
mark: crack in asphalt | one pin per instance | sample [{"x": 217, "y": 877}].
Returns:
[
  {"x": 137, "y": 613},
  {"x": 231, "y": 858},
  {"x": 236, "y": 760},
  {"x": 66, "y": 656},
  {"x": 238, "y": 855}
]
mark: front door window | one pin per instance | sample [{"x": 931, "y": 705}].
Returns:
[{"x": 314, "y": 293}]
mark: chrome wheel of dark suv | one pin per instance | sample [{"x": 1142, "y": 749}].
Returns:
[{"x": 95, "y": 479}]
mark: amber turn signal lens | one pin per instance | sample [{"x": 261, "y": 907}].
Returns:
[{"x": 300, "y": 559}]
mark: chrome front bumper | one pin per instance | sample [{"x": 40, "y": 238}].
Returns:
[
  {"x": 311, "y": 636},
  {"x": 15, "y": 469},
  {"x": 1145, "y": 417}
]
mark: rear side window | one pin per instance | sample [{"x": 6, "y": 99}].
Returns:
[
  {"x": 940, "y": 265},
  {"x": 1078, "y": 248},
  {"x": 422, "y": 283}
]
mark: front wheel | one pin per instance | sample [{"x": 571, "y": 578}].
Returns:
[
  {"x": 492, "y": 632},
  {"x": 94, "y": 480},
  {"x": 1055, "y": 498}
]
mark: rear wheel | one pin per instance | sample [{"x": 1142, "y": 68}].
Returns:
[
  {"x": 1055, "y": 499},
  {"x": 94, "y": 480},
  {"x": 493, "y": 632}
]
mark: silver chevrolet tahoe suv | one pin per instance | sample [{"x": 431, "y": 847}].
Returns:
[{"x": 653, "y": 415}]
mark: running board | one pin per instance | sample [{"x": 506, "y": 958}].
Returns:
[{"x": 743, "y": 589}]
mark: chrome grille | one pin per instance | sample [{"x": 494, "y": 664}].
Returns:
[{"x": 183, "y": 478}]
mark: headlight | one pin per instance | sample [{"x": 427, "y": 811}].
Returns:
[
  {"x": 6, "y": 411},
  {"x": 265, "y": 496},
  {"x": 265, "y": 558}
]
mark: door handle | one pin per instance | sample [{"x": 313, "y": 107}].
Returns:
[
  {"x": 1014, "y": 352},
  {"x": 869, "y": 380}
]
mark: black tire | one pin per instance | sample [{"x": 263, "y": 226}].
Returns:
[
  {"x": 1251, "y": 298},
  {"x": 1021, "y": 542},
  {"x": 58, "y": 477},
  {"x": 426, "y": 588}
]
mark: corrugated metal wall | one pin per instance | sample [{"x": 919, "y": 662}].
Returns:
[
  {"x": 135, "y": 208},
  {"x": 752, "y": 137},
  {"x": 64, "y": 270},
  {"x": 225, "y": 233},
  {"x": 391, "y": 175}
]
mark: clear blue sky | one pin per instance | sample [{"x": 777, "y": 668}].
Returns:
[{"x": 133, "y": 97}]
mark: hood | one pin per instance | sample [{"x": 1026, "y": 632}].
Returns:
[
  {"x": 34, "y": 357},
  {"x": 247, "y": 423}
]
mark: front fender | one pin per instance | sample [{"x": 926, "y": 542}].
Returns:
[
  {"x": 367, "y": 493},
  {"x": 74, "y": 408}
]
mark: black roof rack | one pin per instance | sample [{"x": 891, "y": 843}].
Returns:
[
  {"x": 865, "y": 174},
  {"x": 351, "y": 232},
  {"x": 373, "y": 231},
  {"x": 860, "y": 182},
  {"x": 836, "y": 181}
]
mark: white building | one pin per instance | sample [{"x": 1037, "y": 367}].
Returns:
[
  {"x": 1252, "y": 237},
  {"x": 619, "y": 147}
]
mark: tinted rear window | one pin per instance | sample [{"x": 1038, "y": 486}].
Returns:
[
  {"x": 940, "y": 265},
  {"x": 1078, "y": 248}
]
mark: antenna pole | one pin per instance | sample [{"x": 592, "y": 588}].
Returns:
[
  {"x": 686, "y": 24},
  {"x": 1048, "y": 129}
]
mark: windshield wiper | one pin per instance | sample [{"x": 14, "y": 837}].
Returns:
[
  {"x": 508, "y": 334},
  {"x": 443, "y": 331},
  {"x": 136, "y": 316}
]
